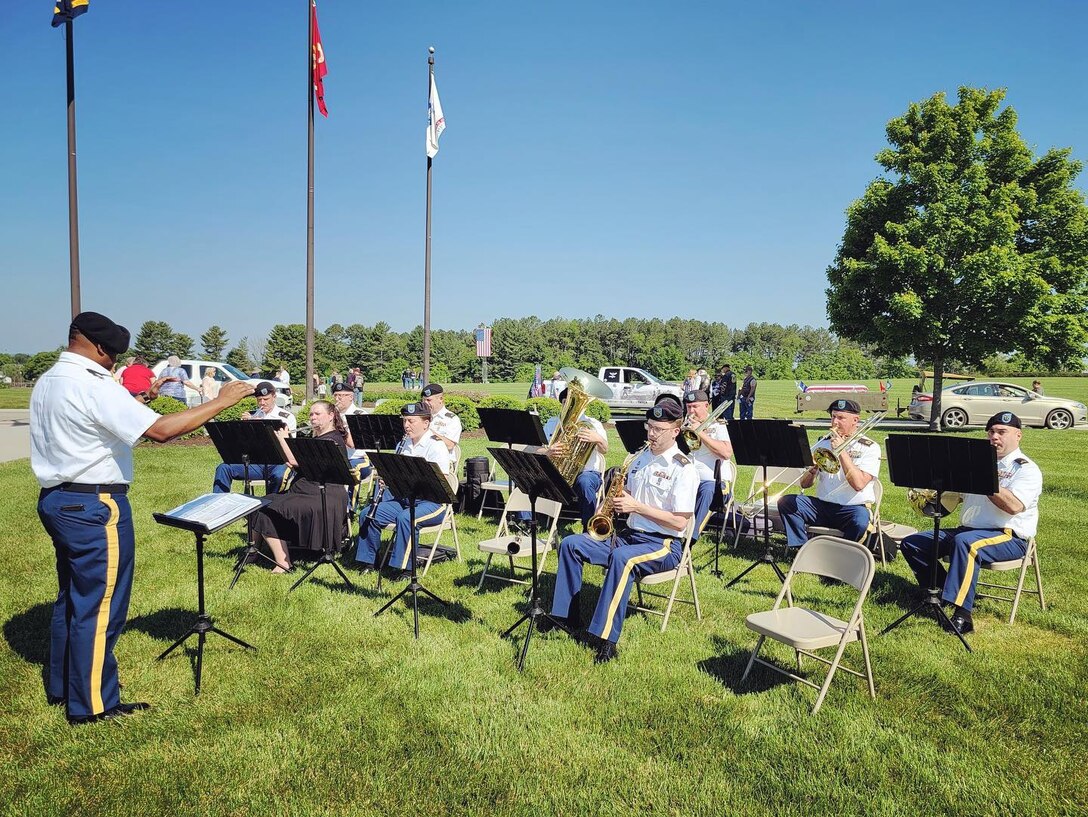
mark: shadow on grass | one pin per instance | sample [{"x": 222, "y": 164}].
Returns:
[
  {"x": 168, "y": 624},
  {"x": 27, "y": 633},
  {"x": 450, "y": 610},
  {"x": 728, "y": 667},
  {"x": 890, "y": 588}
]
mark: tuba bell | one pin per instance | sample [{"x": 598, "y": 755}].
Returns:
[{"x": 582, "y": 389}]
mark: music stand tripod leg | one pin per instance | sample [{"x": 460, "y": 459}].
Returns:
[
  {"x": 768, "y": 550},
  {"x": 414, "y": 587},
  {"x": 326, "y": 550}
]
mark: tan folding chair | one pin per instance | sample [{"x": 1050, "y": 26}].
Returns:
[
  {"x": 500, "y": 544},
  {"x": 684, "y": 569},
  {"x": 1031, "y": 559},
  {"x": 804, "y": 629},
  {"x": 874, "y": 521}
]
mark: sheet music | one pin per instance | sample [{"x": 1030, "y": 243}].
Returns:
[{"x": 215, "y": 510}]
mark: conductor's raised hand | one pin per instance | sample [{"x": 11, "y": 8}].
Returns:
[{"x": 234, "y": 391}]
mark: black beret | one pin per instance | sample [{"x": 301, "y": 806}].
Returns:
[
  {"x": 431, "y": 389},
  {"x": 1003, "y": 418},
  {"x": 696, "y": 396},
  {"x": 415, "y": 410},
  {"x": 665, "y": 411},
  {"x": 342, "y": 386},
  {"x": 264, "y": 389},
  {"x": 101, "y": 330},
  {"x": 844, "y": 405},
  {"x": 667, "y": 398}
]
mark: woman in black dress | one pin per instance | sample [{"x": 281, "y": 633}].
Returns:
[{"x": 294, "y": 519}]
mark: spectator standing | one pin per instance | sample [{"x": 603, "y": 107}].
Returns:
[
  {"x": 137, "y": 377},
  {"x": 404, "y": 378},
  {"x": 175, "y": 379},
  {"x": 209, "y": 386},
  {"x": 704, "y": 381},
  {"x": 690, "y": 381},
  {"x": 284, "y": 376},
  {"x": 747, "y": 394},
  {"x": 1037, "y": 386},
  {"x": 727, "y": 389},
  {"x": 359, "y": 385},
  {"x": 120, "y": 370}
]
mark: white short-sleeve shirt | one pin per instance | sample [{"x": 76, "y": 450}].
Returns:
[
  {"x": 704, "y": 457},
  {"x": 1021, "y": 476},
  {"x": 834, "y": 487},
  {"x": 430, "y": 449},
  {"x": 665, "y": 481},
  {"x": 83, "y": 425}
]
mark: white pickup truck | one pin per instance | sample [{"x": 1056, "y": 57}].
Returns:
[
  {"x": 224, "y": 373},
  {"x": 634, "y": 389}
]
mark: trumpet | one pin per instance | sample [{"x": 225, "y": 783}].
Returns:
[
  {"x": 827, "y": 459},
  {"x": 379, "y": 491},
  {"x": 924, "y": 500},
  {"x": 691, "y": 432}
]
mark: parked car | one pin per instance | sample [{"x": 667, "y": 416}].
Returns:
[
  {"x": 633, "y": 388},
  {"x": 976, "y": 402},
  {"x": 224, "y": 373}
]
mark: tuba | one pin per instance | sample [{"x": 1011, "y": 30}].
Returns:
[
  {"x": 924, "y": 500},
  {"x": 602, "y": 525},
  {"x": 828, "y": 459},
  {"x": 582, "y": 389}
]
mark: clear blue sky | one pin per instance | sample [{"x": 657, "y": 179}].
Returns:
[{"x": 622, "y": 158}]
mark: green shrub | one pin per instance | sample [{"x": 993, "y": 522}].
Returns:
[
  {"x": 235, "y": 412},
  {"x": 474, "y": 396},
  {"x": 546, "y": 407},
  {"x": 465, "y": 409},
  {"x": 501, "y": 401},
  {"x": 599, "y": 411},
  {"x": 168, "y": 405},
  {"x": 390, "y": 394},
  {"x": 392, "y": 405}
]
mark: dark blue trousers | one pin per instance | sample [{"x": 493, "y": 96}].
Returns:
[
  {"x": 428, "y": 514},
  {"x": 95, "y": 545},
  {"x": 967, "y": 550},
  {"x": 635, "y": 554},
  {"x": 746, "y": 409},
  {"x": 226, "y": 473},
  {"x": 798, "y": 511}
]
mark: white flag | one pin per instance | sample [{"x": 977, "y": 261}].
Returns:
[{"x": 436, "y": 122}]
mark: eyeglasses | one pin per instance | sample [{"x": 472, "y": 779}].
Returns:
[{"x": 655, "y": 430}]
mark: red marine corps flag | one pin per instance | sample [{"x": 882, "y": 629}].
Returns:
[{"x": 319, "y": 69}]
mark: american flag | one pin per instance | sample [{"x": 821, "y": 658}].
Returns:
[{"x": 483, "y": 341}]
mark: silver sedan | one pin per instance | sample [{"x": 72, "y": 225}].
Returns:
[{"x": 975, "y": 402}]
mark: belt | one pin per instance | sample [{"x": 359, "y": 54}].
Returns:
[{"x": 82, "y": 488}]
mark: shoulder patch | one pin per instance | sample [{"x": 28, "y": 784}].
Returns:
[
  {"x": 681, "y": 458},
  {"x": 1021, "y": 460},
  {"x": 99, "y": 375},
  {"x": 864, "y": 441}
]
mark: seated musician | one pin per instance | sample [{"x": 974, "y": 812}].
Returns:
[
  {"x": 992, "y": 528},
  {"x": 343, "y": 396},
  {"x": 445, "y": 425},
  {"x": 844, "y": 499},
  {"x": 294, "y": 518},
  {"x": 588, "y": 482},
  {"x": 709, "y": 457},
  {"x": 659, "y": 495},
  {"x": 418, "y": 442},
  {"x": 225, "y": 473}
]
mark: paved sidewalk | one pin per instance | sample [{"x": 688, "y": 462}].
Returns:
[{"x": 14, "y": 434}]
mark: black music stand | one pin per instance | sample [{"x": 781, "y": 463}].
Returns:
[
  {"x": 250, "y": 442},
  {"x": 537, "y": 476},
  {"x": 512, "y": 426},
  {"x": 414, "y": 479},
  {"x": 193, "y": 516},
  {"x": 323, "y": 462},
  {"x": 375, "y": 432},
  {"x": 940, "y": 463},
  {"x": 768, "y": 444}
]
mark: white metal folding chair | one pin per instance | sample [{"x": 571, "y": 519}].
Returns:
[
  {"x": 684, "y": 569},
  {"x": 500, "y": 544},
  {"x": 805, "y": 629}
]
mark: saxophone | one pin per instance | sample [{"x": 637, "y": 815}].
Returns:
[{"x": 601, "y": 525}]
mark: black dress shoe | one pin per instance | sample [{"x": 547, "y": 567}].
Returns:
[
  {"x": 401, "y": 576},
  {"x": 962, "y": 623},
  {"x": 110, "y": 714},
  {"x": 365, "y": 567},
  {"x": 56, "y": 700},
  {"x": 605, "y": 652}
]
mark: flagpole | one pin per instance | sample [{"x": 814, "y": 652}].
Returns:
[
  {"x": 427, "y": 260},
  {"x": 73, "y": 207},
  {"x": 309, "y": 201}
]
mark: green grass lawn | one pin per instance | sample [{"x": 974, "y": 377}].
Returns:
[
  {"x": 341, "y": 713},
  {"x": 13, "y": 398}
]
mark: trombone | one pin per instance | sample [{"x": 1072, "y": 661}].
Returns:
[
  {"x": 691, "y": 433},
  {"x": 827, "y": 459}
]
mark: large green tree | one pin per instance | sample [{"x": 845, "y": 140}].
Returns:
[
  {"x": 214, "y": 341},
  {"x": 970, "y": 245}
]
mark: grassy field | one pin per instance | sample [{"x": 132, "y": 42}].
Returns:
[
  {"x": 12, "y": 398},
  {"x": 341, "y": 713}
]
